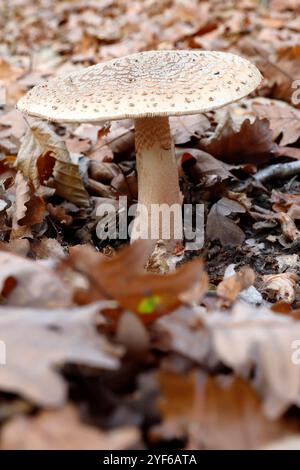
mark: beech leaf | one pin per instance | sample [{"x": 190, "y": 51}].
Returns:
[{"x": 44, "y": 159}]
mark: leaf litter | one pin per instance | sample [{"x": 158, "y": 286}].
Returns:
[{"x": 101, "y": 353}]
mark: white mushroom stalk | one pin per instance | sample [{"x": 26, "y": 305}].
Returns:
[
  {"x": 157, "y": 181},
  {"x": 147, "y": 87}
]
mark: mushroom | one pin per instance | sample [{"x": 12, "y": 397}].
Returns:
[{"x": 147, "y": 87}]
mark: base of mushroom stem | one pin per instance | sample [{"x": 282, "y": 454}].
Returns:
[
  {"x": 172, "y": 223},
  {"x": 163, "y": 260},
  {"x": 158, "y": 222}
]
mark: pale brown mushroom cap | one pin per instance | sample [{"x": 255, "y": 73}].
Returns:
[{"x": 153, "y": 83}]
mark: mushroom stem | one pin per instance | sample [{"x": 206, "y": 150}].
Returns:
[{"x": 158, "y": 184}]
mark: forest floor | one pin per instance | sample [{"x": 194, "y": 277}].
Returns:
[{"x": 99, "y": 353}]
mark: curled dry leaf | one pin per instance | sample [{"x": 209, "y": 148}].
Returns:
[
  {"x": 220, "y": 227},
  {"x": 285, "y": 72},
  {"x": 59, "y": 213},
  {"x": 126, "y": 185},
  {"x": 44, "y": 159},
  {"x": 254, "y": 342},
  {"x": 28, "y": 208},
  {"x": 286, "y": 262},
  {"x": 183, "y": 128},
  {"x": 182, "y": 332},
  {"x": 284, "y": 120},
  {"x": 284, "y": 201},
  {"x": 229, "y": 288},
  {"x": 252, "y": 143},
  {"x": 196, "y": 164},
  {"x": 229, "y": 415},
  {"x": 14, "y": 122},
  {"x": 178, "y": 393},
  {"x": 248, "y": 294},
  {"x": 148, "y": 295},
  {"x": 27, "y": 283},
  {"x": 282, "y": 285},
  {"x": 103, "y": 171},
  {"x": 63, "y": 430},
  {"x": 153, "y": 295},
  {"x": 38, "y": 341},
  {"x": 288, "y": 226},
  {"x": 18, "y": 246},
  {"x": 257, "y": 338},
  {"x": 121, "y": 136},
  {"x": 48, "y": 248},
  {"x": 102, "y": 272},
  {"x": 215, "y": 413},
  {"x": 291, "y": 152}
]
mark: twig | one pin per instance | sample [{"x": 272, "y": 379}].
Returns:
[{"x": 281, "y": 170}]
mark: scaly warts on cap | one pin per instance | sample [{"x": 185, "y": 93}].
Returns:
[{"x": 147, "y": 87}]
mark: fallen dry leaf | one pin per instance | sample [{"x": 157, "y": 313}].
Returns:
[
  {"x": 63, "y": 430},
  {"x": 256, "y": 343},
  {"x": 148, "y": 295},
  {"x": 86, "y": 261},
  {"x": 283, "y": 201},
  {"x": 229, "y": 288},
  {"x": 184, "y": 128},
  {"x": 44, "y": 160},
  {"x": 178, "y": 393},
  {"x": 282, "y": 285},
  {"x": 39, "y": 341},
  {"x": 197, "y": 164},
  {"x": 28, "y": 208},
  {"x": 284, "y": 120},
  {"x": 283, "y": 70},
  {"x": 48, "y": 248},
  {"x": 27, "y": 283},
  {"x": 288, "y": 226},
  {"x": 229, "y": 416},
  {"x": 14, "y": 122},
  {"x": 103, "y": 171},
  {"x": 287, "y": 223},
  {"x": 252, "y": 143},
  {"x": 172, "y": 357},
  {"x": 183, "y": 332},
  {"x": 59, "y": 213},
  {"x": 215, "y": 413},
  {"x": 119, "y": 139},
  {"x": 220, "y": 227},
  {"x": 255, "y": 338}
]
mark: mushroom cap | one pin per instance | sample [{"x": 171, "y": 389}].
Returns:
[{"x": 153, "y": 83}]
